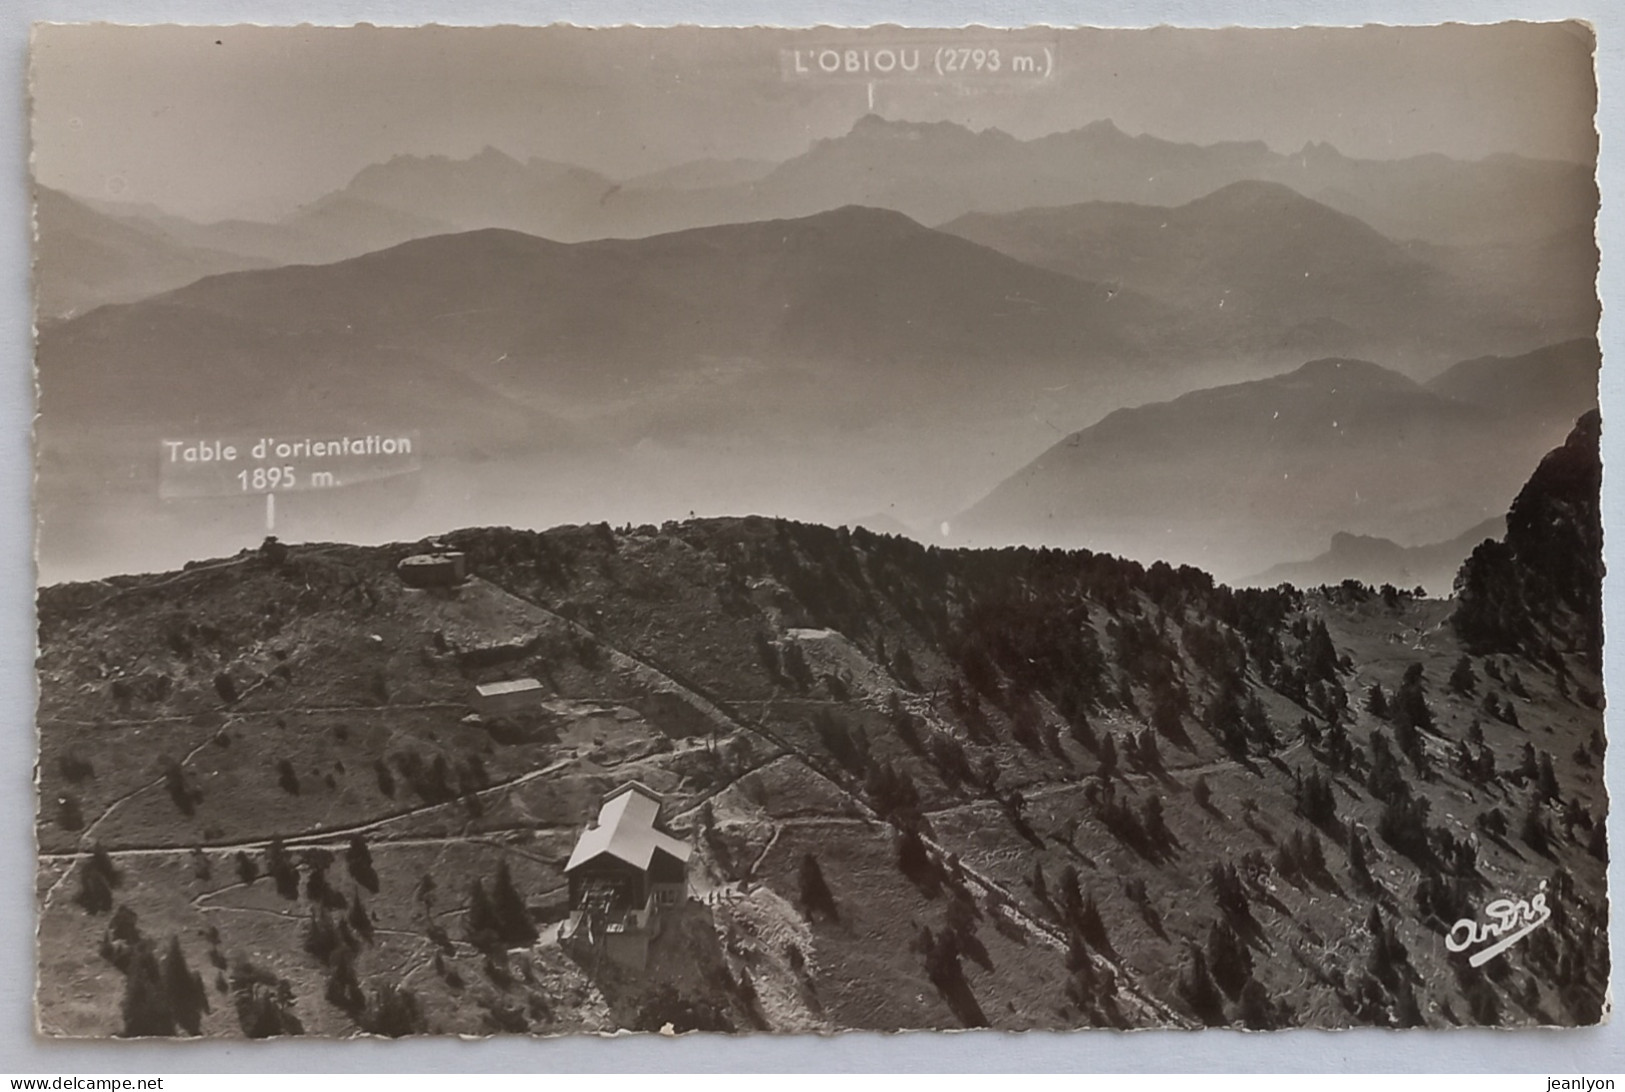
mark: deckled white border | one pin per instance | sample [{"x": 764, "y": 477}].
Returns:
[{"x": 1588, "y": 1050}]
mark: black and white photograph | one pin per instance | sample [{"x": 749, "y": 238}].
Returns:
[{"x": 550, "y": 531}]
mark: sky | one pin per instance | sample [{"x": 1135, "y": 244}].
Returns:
[{"x": 252, "y": 121}]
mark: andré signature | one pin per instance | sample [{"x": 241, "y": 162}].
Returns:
[{"x": 1510, "y": 920}]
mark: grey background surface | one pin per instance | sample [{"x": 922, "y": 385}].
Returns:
[{"x": 1585, "y": 1051}]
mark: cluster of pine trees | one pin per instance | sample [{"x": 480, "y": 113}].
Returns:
[
  {"x": 1538, "y": 590},
  {"x": 1037, "y": 647},
  {"x": 497, "y": 918}
]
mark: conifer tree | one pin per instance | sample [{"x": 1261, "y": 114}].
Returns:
[
  {"x": 1535, "y": 831},
  {"x": 393, "y": 1011},
  {"x": 146, "y": 1009},
  {"x": 1546, "y": 778},
  {"x": 1071, "y": 896},
  {"x": 358, "y": 859},
  {"x": 1255, "y": 1010},
  {"x": 1092, "y": 926},
  {"x": 1038, "y": 884},
  {"x": 1229, "y": 958},
  {"x": 265, "y": 1003},
  {"x": 1108, "y": 756},
  {"x": 480, "y": 921},
  {"x": 280, "y": 867},
  {"x": 512, "y": 918},
  {"x": 816, "y": 898},
  {"x": 343, "y": 988},
  {"x": 1462, "y": 678},
  {"x": 913, "y": 860},
  {"x": 1198, "y": 989},
  {"x": 95, "y": 894},
  {"x": 1156, "y": 825},
  {"x": 183, "y": 987},
  {"x": 359, "y": 919}
]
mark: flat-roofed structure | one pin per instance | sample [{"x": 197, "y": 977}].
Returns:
[
  {"x": 510, "y": 696},
  {"x": 443, "y": 569}
]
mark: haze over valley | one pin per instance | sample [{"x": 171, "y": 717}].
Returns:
[
  {"x": 832, "y": 366},
  {"x": 905, "y": 320}
]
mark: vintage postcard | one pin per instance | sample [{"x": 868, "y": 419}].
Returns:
[{"x": 555, "y": 530}]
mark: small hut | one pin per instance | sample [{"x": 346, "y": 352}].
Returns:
[
  {"x": 442, "y": 569},
  {"x": 504, "y": 698}
]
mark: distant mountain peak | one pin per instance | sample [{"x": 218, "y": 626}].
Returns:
[
  {"x": 1253, "y": 191},
  {"x": 1345, "y": 370},
  {"x": 1375, "y": 560},
  {"x": 488, "y": 157},
  {"x": 1283, "y": 207},
  {"x": 865, "y": 214},
  {"x": 876, "y": 124},
  {"x": 1318, "y": 150},
  {"x": 1343, "y": 541},
  {"x": 873, "y": 123},
  {"x": 875, "y": 127},
  {"x": 1102, "y": 127}
]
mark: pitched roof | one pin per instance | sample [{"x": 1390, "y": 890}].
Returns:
[{"x": 626, "y": 830}]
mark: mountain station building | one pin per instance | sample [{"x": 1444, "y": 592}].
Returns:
[{"x": 626, "y": 870}]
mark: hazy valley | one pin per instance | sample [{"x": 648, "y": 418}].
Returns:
[{"x": 872, "y": 362}]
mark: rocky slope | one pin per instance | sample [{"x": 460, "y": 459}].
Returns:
[{"x": 927, "y": 788}]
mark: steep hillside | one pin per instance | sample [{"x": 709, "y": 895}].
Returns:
[
  {"x": 336, "y": 226},
  {"x": 1548, "y": 282},
  {"x": 1235, "y": 475},
  {"x": 848, "y": 358},
  {"x": 1270, "y": 268},
  {"x": 926, "y": 788},
  {"x": 1232, "y": 477},
  {"x": 85, "y": 258},
  {"x": 858, "y": 291},
  {"x": 1554, "y": 385},
  {"x": 1155, "y": 245},
  {"x": 342, "y": 225},
  {"x": 1538, "y": 590}
]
